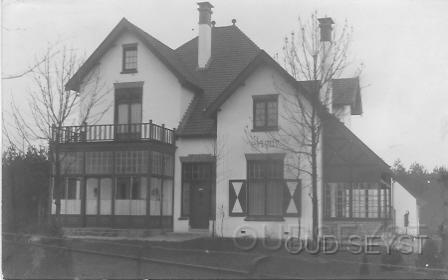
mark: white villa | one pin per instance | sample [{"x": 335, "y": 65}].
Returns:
[{"x": 172, "y": 151}]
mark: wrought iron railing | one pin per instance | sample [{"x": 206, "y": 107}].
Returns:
[{"x": 113, "y": 132}]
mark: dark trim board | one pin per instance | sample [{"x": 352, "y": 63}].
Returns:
[
  {"x": 356, "y": 219},
  {"x": 117, "y": 146},
  {"x": 118, "y": 221}
]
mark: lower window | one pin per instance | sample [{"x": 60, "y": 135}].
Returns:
[
  {"x": 265, "y": 187},
  {"x": 357, "y": 200},
  {"x": 69, "y": 195},
  {"x": 130, "y": 195}
]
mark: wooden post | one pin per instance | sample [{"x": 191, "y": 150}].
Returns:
[
  {"x": 84, "y": 133},
  {"x": 82, "y": 192},
  {"x": 150, "y": 129}
]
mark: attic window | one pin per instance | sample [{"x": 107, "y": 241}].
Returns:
[
  {"x": 129, "y": 58},
  {"x": 265, "y": 112}
]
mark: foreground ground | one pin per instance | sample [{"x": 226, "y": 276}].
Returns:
[{"x": 200, "y": 258}]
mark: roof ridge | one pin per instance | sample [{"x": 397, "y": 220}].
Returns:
[
  {"x": 146, "y": 33},
  {"x": 247, "y": 37}
]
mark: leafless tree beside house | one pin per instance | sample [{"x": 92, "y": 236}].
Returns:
[
  {"x": 315, "y": 56},
  {"x": 51, "y": 106}
]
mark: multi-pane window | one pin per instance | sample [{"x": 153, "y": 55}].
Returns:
[
  {"x": 69, "y": 195},
  {"x": 372, "y": 202},
  {"x": 70, "y": 188},
  {"x": 131, "y": 187},
  {"x": 128, "y": 112},
  {"x": 160, "y": 196},
  {"x": 384, "y": 201},
  {"x": 130, "y": 195},
  {"x": 162, "y": 164},
  {"x": 71, "y": 162},
  {"x": 265, "y": 112},
  {"x": 337, "y": 198},
  {"x": 127, "y": 162},
  {"x": 265, "y": 179},
  {"x": 99, "y": 162},
  {"x": 357, "y": 200},
  {"x": 130, "y": 58}
]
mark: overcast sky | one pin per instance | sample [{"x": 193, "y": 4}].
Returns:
[{"x": 403, "y": 45}]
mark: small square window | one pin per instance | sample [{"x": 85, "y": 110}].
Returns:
[
  {"x": 130, "y": 58},
  {"x": 265, "y": 112}
]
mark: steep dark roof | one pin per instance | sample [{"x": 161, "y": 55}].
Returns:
[
  {"x": 232, "y": 51},
  {"x": 346, "y": 91},
  {"x": 162, "y": 51},
  {"x": 233, "y": 58},
  {"x": 346, "y": 158}
]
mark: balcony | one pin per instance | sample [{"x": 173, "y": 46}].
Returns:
[{"x": 113, "y": 132}]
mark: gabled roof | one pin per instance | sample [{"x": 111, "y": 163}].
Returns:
[
  {"x": 232, "y": 52},
  {"x": 162, "y": 51},
  {"x": 233, "y": 58},
  {"x": 346, "y": 91}
]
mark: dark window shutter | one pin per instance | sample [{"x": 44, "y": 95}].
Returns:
[
  {"x": 292, "y": 196},
  {"x": 237, "y": 198}
]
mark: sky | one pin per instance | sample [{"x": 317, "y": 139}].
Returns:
[{"x": 402, "y": 43}]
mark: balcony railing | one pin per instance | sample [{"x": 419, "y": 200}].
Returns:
[{"x": 113, "y": 132}]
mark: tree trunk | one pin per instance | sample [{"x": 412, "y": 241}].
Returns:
[
  {"x": 314, "y": 142},
  {"x": 314, "y": 189},
  {"x": 57, "y": 176}
]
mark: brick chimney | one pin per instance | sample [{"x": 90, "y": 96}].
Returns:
[
  {"x": 326, "y": 40},
  {"x": 205, "y": 34}
]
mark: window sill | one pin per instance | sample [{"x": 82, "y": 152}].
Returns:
[
  {"x": 265, "y": 129},
  {"x": 355, "y": 219},
  {"x": 129, "y": 71},
  {"x": 264, "y": 219}
]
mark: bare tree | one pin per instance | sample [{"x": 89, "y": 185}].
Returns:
[
  {"x": 315, "y": 56},
  {"x": 51, "y": 106}
]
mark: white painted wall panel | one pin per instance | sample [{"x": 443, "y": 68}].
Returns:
[
  {"x": 164, "y": 99},
  {"x": 403, "y": 201},
  {"x": 234, "y": 124}
]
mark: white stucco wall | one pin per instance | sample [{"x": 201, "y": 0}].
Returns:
[
  {"x": 185, "y": 147},
  {"x": 404, "y": 201},
  {"x": 234, "y": 124},
  {"x": 164, "y": 100}
]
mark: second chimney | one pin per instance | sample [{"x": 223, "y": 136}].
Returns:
[{"x": 205, "y": 34}]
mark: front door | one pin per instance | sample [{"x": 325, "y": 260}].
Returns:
[
  {"x": 198, "y": 179},
  {"x": 200, "y": 204}
]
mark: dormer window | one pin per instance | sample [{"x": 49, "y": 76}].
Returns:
[
  {"x": 129, "y": 58},
  {"x": 265, "y": 112}
]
